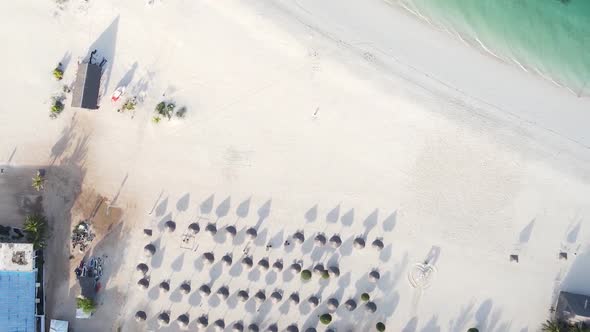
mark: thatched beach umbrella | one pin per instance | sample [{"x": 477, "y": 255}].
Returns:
[
  {"x": 377, "y": 244},
  {"x": 209, "y": 257},
  {"x": 278, "y": 266},
  {"x": 260, "y": 296},
  {"x": 183, "y": 320},
  {"x": 334, "y": 271},
  {"x": 350, "y": 304},
  {"x": 223, "y": 291},
  {"x": 292, "y": 328},
  {"x": 318, "y": 268},
  {"x": 211, "y": 229},
  {"x": 252, "y": 233},
  {"x": 143, "y": 268},
  {"x": 205, "y": 290},
  {"x": 185, "y": 287},
  {"x": 143, "y": 283},
  {"x": 253, "y": 328},
  {"x": 203, "y": 321},
  {"x": 194, "y": 228},
  {"x": 227, "y": 259},
  {"x": 165, "y": 286},
  {"x": 263, "y": 263},
  {"x": 247, "y": 261},
  {"x": 149, "y": 250},
  {"x": 371, "y": 306},
  {"x": 294, "y": 298},
  {"x": 243, "y": 295},
  {"x": 359, "y": 243},
  {"x": 231, "y": 230},
  {"x": 320, "y": 239},
  {"x": 238, "y": 327},
  {"x": 374, "y": 276},
  {"x": 299, "y": 237},
  {"x": 164, "y": 318},
  {"x": 296, "y": 267},
  {"x": 314, "y": 301},
  {"x": 333, "y": 304},
  {"x": 276, "y": 296},
  {"x": 220, "y": 324},
  {"x": 335, "y": 241},
  {"x": 170, "y": 226},
  {"x": 140, "y": 316}
]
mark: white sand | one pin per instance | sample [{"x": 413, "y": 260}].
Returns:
[{"x": 452, "y": 148}]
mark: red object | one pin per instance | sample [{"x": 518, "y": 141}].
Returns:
[{"x": 98, "y": 285}]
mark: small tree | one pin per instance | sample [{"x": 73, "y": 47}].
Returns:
[
  {"x": 129, "y": 104},
  {"x": 365, "y": 297},
  {"x": 38, "y": 181},
  {"x": 326, "y": 319},
  {"x": 305, "y": 275},
  {"x": 380, "y": 327},
  {"x": 58, "y": 73},
  {"x": 325, "y": 275},
  {"x": 87, "y": 305},
  {"x": 36, "y": 227},
  {"x": 553, "y": 326},
  {"x": 156, "y": 119}
]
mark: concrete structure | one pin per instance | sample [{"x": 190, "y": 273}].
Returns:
[
  {"x": 573, "y": 308},
  {"x": 58, "y": 326}
]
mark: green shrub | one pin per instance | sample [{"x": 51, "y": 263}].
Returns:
[
  {"x": 306, "y": 275},
  {"x": 365, "y": 297},
  {"x": 325, "y": 275},
  {"x": 326, "y": 319},
  {"x": 380, "y": 327},
  {"x": 38, "y": 181},
  {"x": 129, "y": 104},
  {"x": 156, "y": 119},
  {"x": 87, "y": 305},
  {"x": 58, "y": 73},
  {"x": 56, "y": 108}
]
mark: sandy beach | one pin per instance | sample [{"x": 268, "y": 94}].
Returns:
[{"x": 333, "y": 117}]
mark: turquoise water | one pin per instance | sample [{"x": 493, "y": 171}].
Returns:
[{"x": 550, "y": 38}]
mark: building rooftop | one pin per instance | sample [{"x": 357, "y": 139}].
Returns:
[
  {"x": 18, "y": 257},
  {"x": 17, "y": 301},
  {"x": 87, "y": 86}
]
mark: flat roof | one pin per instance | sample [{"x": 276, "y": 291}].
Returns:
[
  {"x": 87, "y": 86},
  {"x": 16, "y": 257},
  {"x": 17, "y": 301}
]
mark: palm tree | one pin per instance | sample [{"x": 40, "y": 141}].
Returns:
[
  {"x": 553, "y": 326},
  {"x": 36, "y": 226},
  {"x": 38, "y": 181}
]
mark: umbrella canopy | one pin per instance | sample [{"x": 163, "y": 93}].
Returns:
[
  {"x": 185, "y": 287},
  {"x": 243, "y": 295},
  {"x": 238, "y": 327},
  {"x": 378, "y": 244},
  {"x": 164, "y": 318},
  {"x": 143, "y": 283},
  {"x": 350, "y": 304},
  {"x": 209, "y": 257},
  {"x": 220, "y": 324},
  {"x": 247, "y": 261},
  {"x": 311, "y": 329},
  {"x": 334, "y": 271},
  {"x": 359, "y": 243},
  {"x": 296, "y": 267},
  {"x": 223, "y": 291},
  {"x": 319, "y": 268},
  {"x": 149, "y": 250},
  {"x": 313, "y": 300},
  {"x": 231, "y": 230},
  {"x": 371, "y": 306},
  {"x": 320, "y": 239},
  {"x": 205, "y": 290},
  {"x": 211, "y": 229},
  {"x": 260, "y": 296},
  {"x": 252, "y": 233},
  {"x": 165, "y": 286},
  {"x": 299, "y": 237},
  {"x": 140, "y": 316},
  {"x": 253, "y": 328},
  {"x": 194, "y": 228},
  {"x": 292, "y": 328},
  {"x": 143, "y": 268},
  {"x": 294, "y": 297},
  {"x": 263, "y": 263},
  {"x": 203, "y": 321},
  {"x": 183, "y": 320},
  {"x": 227, "y": 259},
  {"x": 273, "y": 328},
  {"x": 374, "y": 276},
  {"x": 278, "y": 266},
  {"x": 335, "y": 241},
  {"x": 333, "y": 304},
  {"x": 276, "y": 296},
  {"x": 170, "y": 226}
]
